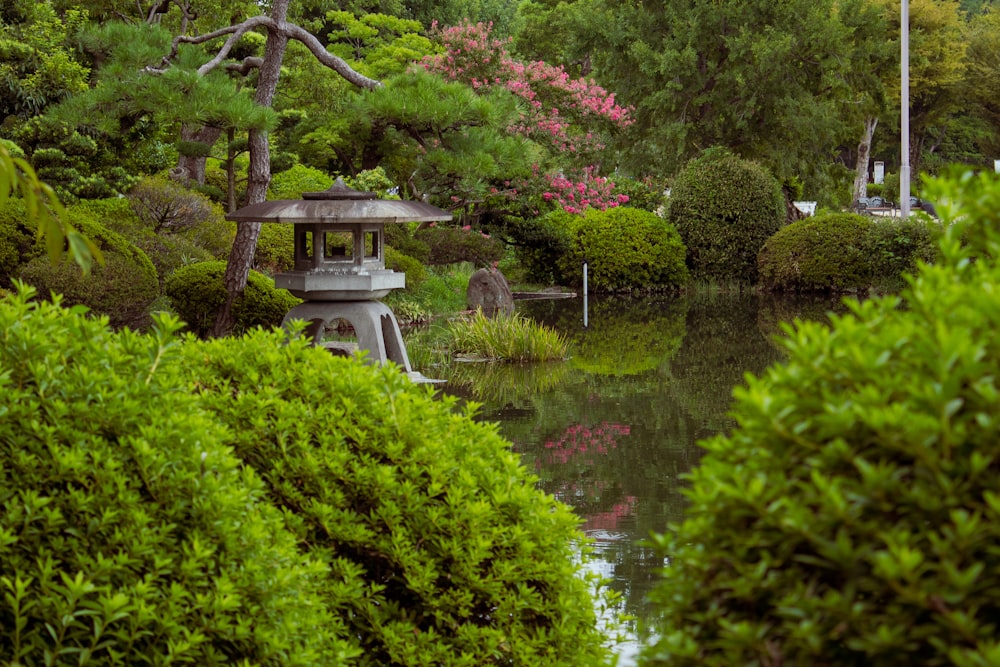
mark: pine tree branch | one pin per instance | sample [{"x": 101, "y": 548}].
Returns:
[{"x": 289, "y": 30}]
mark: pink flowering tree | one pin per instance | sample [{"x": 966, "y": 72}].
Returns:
[{"x": 568, "y": 119}]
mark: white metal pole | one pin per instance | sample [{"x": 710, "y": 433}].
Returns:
[
  {"x": 904, "y": 108},
  {"x": 584, "y": 294}
]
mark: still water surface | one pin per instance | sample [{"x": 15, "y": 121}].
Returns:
[{"x": 611, "y": 431}]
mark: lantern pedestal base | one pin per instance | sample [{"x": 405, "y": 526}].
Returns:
[{"x": 373, "y": 323}]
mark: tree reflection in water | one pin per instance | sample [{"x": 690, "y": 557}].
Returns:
[{"x": 612, "y": 430}]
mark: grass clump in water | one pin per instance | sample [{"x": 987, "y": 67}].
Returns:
[{"x": 506, "y": 337}]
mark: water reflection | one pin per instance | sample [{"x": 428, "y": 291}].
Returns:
[{"x": 611, "y": 431}]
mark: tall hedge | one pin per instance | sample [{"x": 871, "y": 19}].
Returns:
[
  {"x": 441, "y": 549},
  {"x": 129, "y": 533},
  {"x": 853, "y": 516},
  {"x": 725, "y": 208}
]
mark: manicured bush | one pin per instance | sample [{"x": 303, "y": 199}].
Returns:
[
  {"x": 197, "y": 292},
  {"x": 129, "y": 533},
  {"x": 122, "y": 288},
  {"x": 896, "y": 246},
  {"x": 539, "y": 243},
  {"x": 853, "y": 516},
  {"x": 441, "y": 549},
  {"x": 838, "y": 252},
  {"x": 823, "y": 253},
  {"x": 416, "y": 273},
  {"x": 449, "y": 245},
  {"x": 626, "y": 249},
  {"x": 725, "y": 208}
]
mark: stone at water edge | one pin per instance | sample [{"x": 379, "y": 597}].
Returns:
[{"x": 488, "y": 289}]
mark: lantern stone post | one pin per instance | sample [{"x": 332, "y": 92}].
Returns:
[{"x": 339, "y": 269}]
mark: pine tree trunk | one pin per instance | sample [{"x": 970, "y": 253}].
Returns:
[
  {"x": 864, "y": 157},
  {"x": 241, "y": 257},
  {"x": 192, "y": 167}
]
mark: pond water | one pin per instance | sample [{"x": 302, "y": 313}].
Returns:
[{"x": 611, "y": 430}]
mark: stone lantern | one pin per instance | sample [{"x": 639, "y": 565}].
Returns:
[{"x": 339, "y": 268}]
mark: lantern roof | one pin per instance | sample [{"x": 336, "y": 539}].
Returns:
[{"x": 339, "y": 204}]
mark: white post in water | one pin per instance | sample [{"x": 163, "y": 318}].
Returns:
[
  {"x": 904, "y": 108},
  {"x": 584, "y": 294}
]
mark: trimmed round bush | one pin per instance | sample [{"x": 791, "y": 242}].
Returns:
[
  {"x": 197, "y": 291},
  {"x": 725, "y": 208},
  {"x": 626, "y": 249},
  {"x": 823, "y": 253},
  {"x": 853, "y": 516},
  {"x": 129, "y": 533},
  {"x": 122, "y": 288},
  {"x": 440, "y": 548}
]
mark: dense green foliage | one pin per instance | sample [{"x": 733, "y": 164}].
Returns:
[
  {"x": 196, "y": 292},
  {"x": 449, "y": 244},
  {"x": 129, "y": 533},
  {"x": 188, "y": 227},
  {"x": 838, "y": 252},
  {"x": 821, "y": 253},
  {"x": 852, "y": 516},
  {"x": 539, "y": 242},
  {"x": 626, "y": 249},
  {"x": 441, "y": 550},
  {"x": 725, "y": 208},
  {"x": 122, "y": 287}
]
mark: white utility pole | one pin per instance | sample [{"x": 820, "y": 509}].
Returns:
[{"x": 904, "y": 108}]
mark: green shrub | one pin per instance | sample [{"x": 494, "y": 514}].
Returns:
[
  {"x": 450, "y": 245},
  {"x": 122, "y": 288},
  {"x": 291, "y": 183},
  {"x": 853, "y": 516},
  {"x": 441, "y": 549},
  {"x": 197, "y": 292},
  {"x": 275, "y": 248},
  {"x": 539, "y": 243},
  {"x": 17, "y": 240},
  {"x": 400, "y": 237},
  {"x": 129, "y": 533},
  {"x": 823, "y": 253},
  {"x": 837, "y": 252},
  {"x": 895, "y": 246},
  {"x": 416, "y": 273},
  {"x": 626, "y": 249},
  {"x": 725, "y": 208},
  {"x": 167, "y": 251}
]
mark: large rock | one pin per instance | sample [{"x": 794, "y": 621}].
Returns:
[{"x": 488, "y": 289}]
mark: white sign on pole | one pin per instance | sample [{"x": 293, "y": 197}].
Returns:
[{"x": 880, "y": 172}]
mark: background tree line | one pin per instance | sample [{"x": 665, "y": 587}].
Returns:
[{"x": 497, "y": 111}]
